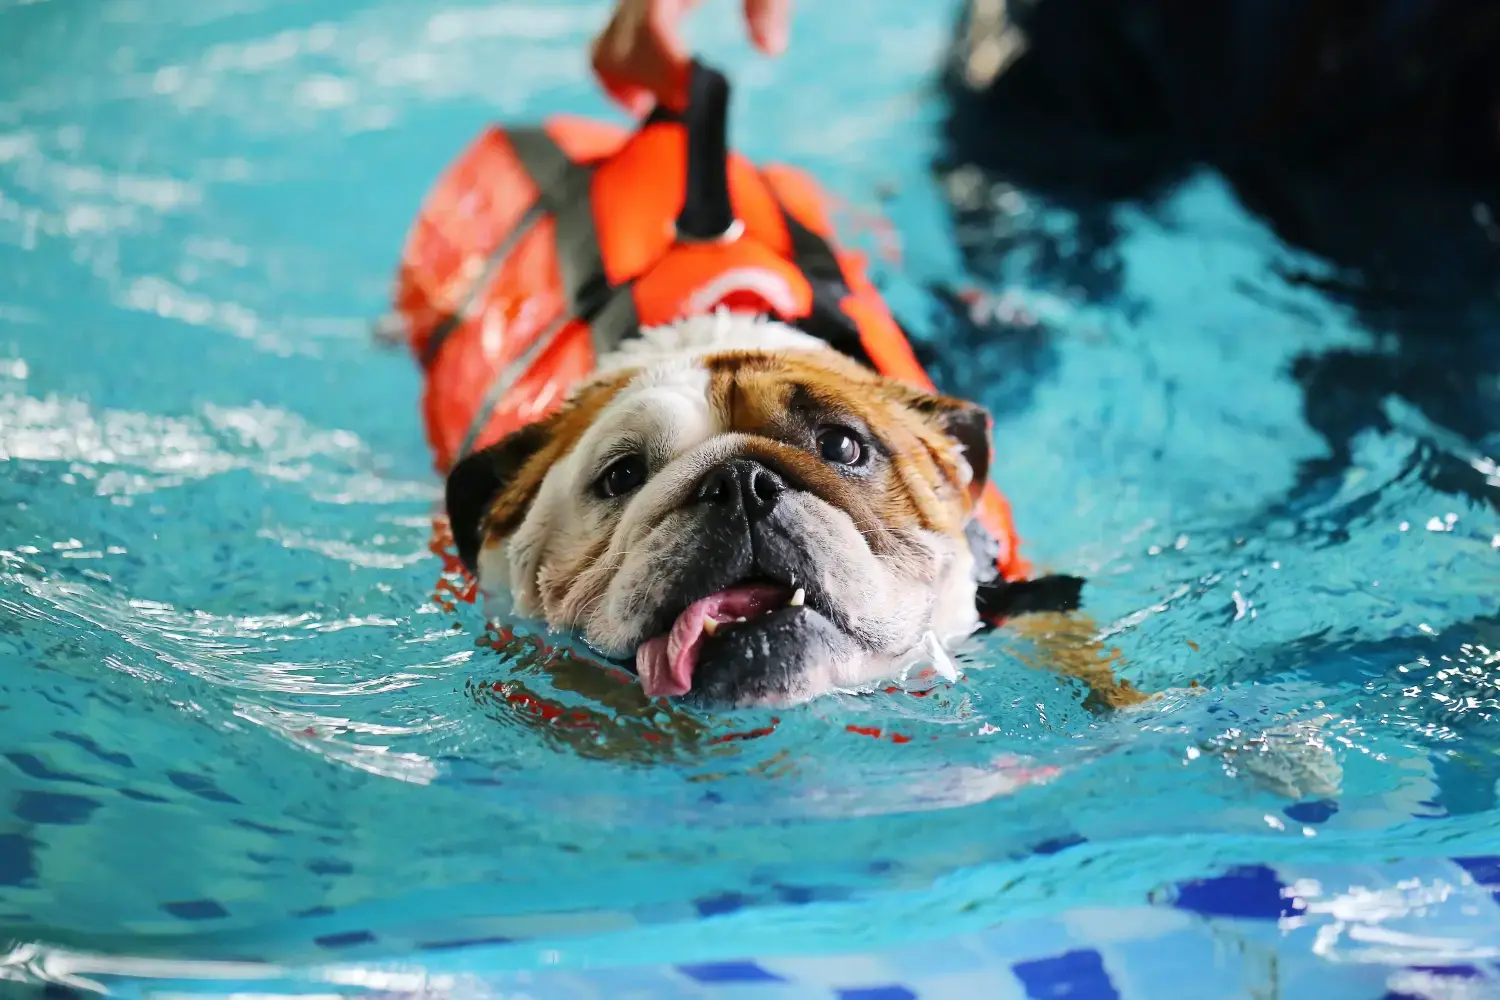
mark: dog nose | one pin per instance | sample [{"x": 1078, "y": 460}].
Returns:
[{"x": 744, "y": 483}]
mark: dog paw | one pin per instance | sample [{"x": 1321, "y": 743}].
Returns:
[{"x": 1292, "y": 761}]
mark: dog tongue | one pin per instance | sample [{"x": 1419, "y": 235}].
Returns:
[{"x": 666, "y": 663}]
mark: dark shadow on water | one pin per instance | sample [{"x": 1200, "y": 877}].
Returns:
[
  {"x": 1392, "y": 179},
  {"x": 978, "y": 356}
]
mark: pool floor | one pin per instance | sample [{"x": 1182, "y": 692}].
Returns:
[{"x": 1423, "y": 930}]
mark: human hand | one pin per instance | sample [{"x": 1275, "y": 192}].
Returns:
[{"x": 640, "y": 57}]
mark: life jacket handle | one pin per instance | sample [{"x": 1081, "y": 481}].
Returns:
[{"x": 707, "y": 214}]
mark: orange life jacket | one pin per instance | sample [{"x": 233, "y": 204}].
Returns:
[{"x": 541, "y": 249}]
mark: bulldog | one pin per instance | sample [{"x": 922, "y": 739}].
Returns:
[
  {"x": 676, "y": 418},
  {"x": 741, "y": 511}
]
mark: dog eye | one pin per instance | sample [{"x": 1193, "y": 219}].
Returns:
[
  {"x": 621, "y": 476},
  {"x": 840, "y": 446}
]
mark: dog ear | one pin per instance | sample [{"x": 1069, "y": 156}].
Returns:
[
  {"x": 478, "y": 481},
  {"x": 490, "y": 491},
  {"x": 968, "y": 424}
]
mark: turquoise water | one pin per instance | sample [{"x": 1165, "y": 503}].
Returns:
[{"x": 235, "y": 724}]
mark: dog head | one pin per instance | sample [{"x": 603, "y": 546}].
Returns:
[{"x": 749, "y": 526}]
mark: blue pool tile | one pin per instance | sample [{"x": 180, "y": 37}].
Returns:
[
  {"x": 490, "y": 782},
  {"x": 1313, "y": 812},
  {"x": 1058, "y": 844},
  {"x": 196, "y": 909},
  {"x": 1251, "y": 891},
  {"x": 54, "y": 808},
  {"x": 200, "y": 786},
  {"x": 1074, "y": 975},
  {"x": 34, "y": 767},
  {"x": 729, "y": 972},
  {"x": 801, "y": 895},
  {"x": 270, "y": 831},
  {"x": 1449, "y": 971},
  {"x": 346, "y": 939},
  {"x": 94, "y": 749},
  {"x": 877, "y": 993},
  {"x": 1418, "y": 991},
  {"x": 713, "y": 906},
  {"x": 796, "y": 895},
  {"x": 17, "y": 859},
  {"x": 1484, "y": 870},
  {"x": 1025, "y": 939},
  {"x": 60, "y": 701},
  {"x": 478, "y": 942}
]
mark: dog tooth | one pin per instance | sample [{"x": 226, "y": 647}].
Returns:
[
  {"x": 710, "y": 626},
  {"x": 739, "y": 619},
  {"x": 798, "y": 598}
]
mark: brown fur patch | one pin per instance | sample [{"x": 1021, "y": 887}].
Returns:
[
  {"x": 559, "y": 578},
  {"x": 919, "y": 483},
  {"x": 560, "y": 432},
  {"x": 1066, "y": 644}
]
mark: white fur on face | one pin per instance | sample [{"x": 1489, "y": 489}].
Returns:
[
  {"x": 662, "y": 413},
  {"x": 711, "y": 333},
  {"x": 607, "y": 567}
]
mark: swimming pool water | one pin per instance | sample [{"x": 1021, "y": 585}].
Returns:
[{"x": 241, "y": 723}]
